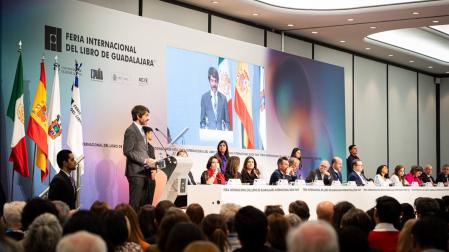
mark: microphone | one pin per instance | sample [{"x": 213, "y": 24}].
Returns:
[{"x": 157, "y": 138}]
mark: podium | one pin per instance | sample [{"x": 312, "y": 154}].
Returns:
[{"x": 176, "y": 170}]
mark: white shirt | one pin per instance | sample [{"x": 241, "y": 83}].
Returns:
[
  {"x": 384, "y": 227},
  {"x": 381, "y": 181},
  {"x": 364, "y": 182},
  {"x": 214, "y": 101}
]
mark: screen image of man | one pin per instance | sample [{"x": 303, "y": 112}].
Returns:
[
  {"x": 138, "y": 162},
  {"x": 214, "y": 108},
  {"x": 62, "y": 186}
]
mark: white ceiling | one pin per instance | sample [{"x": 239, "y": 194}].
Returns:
[{"x": 333, "y": 26}]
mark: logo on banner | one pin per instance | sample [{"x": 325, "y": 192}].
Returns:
[
  {"x": 96, "y": 74},
  {"x": 143, "y": 81},
  {"x": 53, "y": 38},
  {"x": 120, "y": 78}
]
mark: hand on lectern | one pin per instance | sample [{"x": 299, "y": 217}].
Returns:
[{"x": 150, "y": 162}]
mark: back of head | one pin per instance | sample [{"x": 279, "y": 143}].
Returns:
[
  {"x": 388, "y": 210},
  {"x": 63, "y": 211},
  {"x": 195, "y": 213},
  {"x": 352, "y": 239},
  {"x": 172, "y": 217},
  {"x": 339, "y": 210},
  {"x": 135, "y": 232},
  {"x": 12, "y": 213},
  {"x": 214, "y": 227},
  {"x": 325, "y": 211},
  {"x": 35, "y": 207},
  {"x": 313, "y": 236},
  {"x": 43, "y": 233},
  {"x": 251, "y": 226},
  {"x": 161, "y": 207},
  {"x": 203, "y": 246},
  {"x": 181, "y": 235},
  {"x": 147, "y": 215},
  {"x": 278, "y": 227},
  {"x": 426, "y": 207},
  {"x": 115, "y": 229},
  {"x": 405, "y": 237},
  {"x": 99, "y": 207},
  {"x": 83, "y": 220},
  {"x": 300, "y": 208},
  {"x": 81, "y": 241},
  {"x": 293, "y": 219},
  {"x": 431, "y": 233},
  {"x": 357, "y": 218},
  {"x": 273, "y": 209}
]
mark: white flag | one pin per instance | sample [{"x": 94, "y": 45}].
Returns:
[
  {"x": 263, "y": 112},
  {"x": 75, "y": 131},
  {"x": 54, "y": 123}
]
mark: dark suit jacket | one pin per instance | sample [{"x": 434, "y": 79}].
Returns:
[
  {"x": 61, "y": 188},
  {"x": 335, "y": 176},
  {"x": 316, "y": 175},
  {"x": 354, "y": 177},
  {"x": 424, "y": 178},
  {"x": 277, "y": 175},
  {"x": 442, "y": 178},
  {"x": 349, "y": 161},
  {"x": 207, "y": 111},
  {"x": 135, "y": 150}
]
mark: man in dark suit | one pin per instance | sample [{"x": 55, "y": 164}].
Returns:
[
  {"x": 321, "y": 173},
  {"x": 356, "y": 174},
  {"x": 352, "y": 156},
  {"x": 152, "y": 178},
  {"x": 62, "y": 186},
  {"x": 282, "y": 172},
  {"x": 214, "y": 105},
  {"x": 138, "y": 162},
  {"x": 426, "y": 176},
  {"x": 335, "y": 169},
  {"x": 444, "y": 175}
]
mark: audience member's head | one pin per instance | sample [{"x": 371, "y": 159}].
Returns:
[
  {"x": 195, "y": 213},
  {"x": 81, "y": 241},
  {"x": 172, "y": 217},
  {"x": 313, "y": 236},
  {"x": 182, "y": 235},
  {"x": 352, "y": 239},
  {"x": 272, "y": 209},
  {"x": 12, "y": 214},
  {"x": 325, "y": 211},
  {"x": 251, "y": 227},
  {"x": 214, "y": 227},
  {"x": 357, "y": 218},
  {"x": 35, "y": 207},
  {"x": 228, "y": 211},
  {"x": 99, "y": 207},
  {"x": 135, "y": 233},
  {"x": 115, "y": 229},
  {"x": 147, "y": 222},
  {"x": 407, "y": 213},
  {"x": 299, "y": 208},
  {"x": 43, "y": 234},
  {"x": 430, "y": 233},
  {"x": 339, "y": 210},
  {"x": 203, "y": 246},
  {"x": 278, "y": 228},
  {"x": 161, "y": 207},
  {"x": 293, "y": 219},
  {"x": 83, "y": 220},
  {"x": 405, "y": 237},
  {"x": 426, "y": 207},
  {"x": 63, "y": 211},
  {"x": 388, "y": 210}
]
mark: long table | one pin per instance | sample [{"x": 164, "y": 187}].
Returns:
[{"x": 211, "y": 197}]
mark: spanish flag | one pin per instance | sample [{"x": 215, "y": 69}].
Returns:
[
  {"x": 243, "y": 104},
  {"x": 38, "y": 125}
]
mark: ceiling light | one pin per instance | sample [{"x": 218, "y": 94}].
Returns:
[
  {"x": 390, "y": 55},
  {"x": 335, "y": 5},
  {"x": 415, "y": 13},
  {"x": 372, "y": 27},
  {"x": 430, "y": 67},
  {"x": 435, "y": 21},
  {"x": 411, "y": 61},
  {"x": 368, "y": 48},
  {"x": 215, "y": 2},
  {"x": 255, "y": 14},
  {"x": 290, "y": 25},
  {"x": 342, "y": 41},
  {"x": 350, "y": 19},
  {"x": 314, "y": 32},
  {"x": 447, "y": 71}
]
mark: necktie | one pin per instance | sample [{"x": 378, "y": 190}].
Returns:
[{"x": 73, "y": 183}]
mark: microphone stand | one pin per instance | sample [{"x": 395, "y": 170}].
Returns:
[{"x": 157, "y": 138}]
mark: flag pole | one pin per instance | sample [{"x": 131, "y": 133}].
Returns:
[
  {"x": 12, "y": 175},
  {"x": 32, "y": 171}
]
